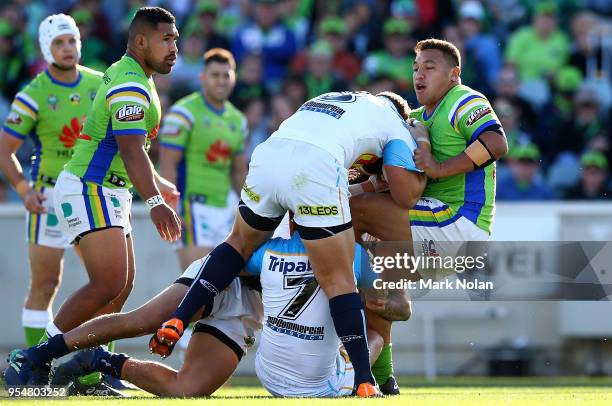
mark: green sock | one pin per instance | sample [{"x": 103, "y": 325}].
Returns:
[
  {"x": 383, "y": 367},
  {"x": 111, "y": 346},
  {"x": 91, "y": 379},
  {"x": 34, "y": 335}
]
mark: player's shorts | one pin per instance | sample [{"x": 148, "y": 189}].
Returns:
[
  {"x": 339, "y": 383},
  {"x": 435, "y": 236},
  {"x": 82, "y": 207},
  {"x": 292, "y": 175},
  {"x": 205, "y": 225},
  {"x": 236, "y": 313},
  {"x": 44, "y": 228}
]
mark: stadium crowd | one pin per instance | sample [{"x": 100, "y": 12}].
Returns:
[{"x": 546, "y": 66}]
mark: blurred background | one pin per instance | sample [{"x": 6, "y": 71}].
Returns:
[{"x": 546, "y": 67}]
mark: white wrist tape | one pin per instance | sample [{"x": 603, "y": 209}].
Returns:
[{"x": 154, "y": 201}]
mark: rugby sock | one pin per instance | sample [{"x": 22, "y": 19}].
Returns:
[
  {"x": 383, "y": 367},
  {"x": 220, "y": 268},
  {"x": 111, "y": 363},
  {"x": 347, "y": 312},
  {"x": 34, "y": 323},
  {"x": 54, "y": 347}
]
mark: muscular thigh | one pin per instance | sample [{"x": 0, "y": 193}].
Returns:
[{"x": 378, "y": 215}]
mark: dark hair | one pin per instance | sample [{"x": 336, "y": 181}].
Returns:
[
  {"x": 148, "y": 18},
  {"x": 399, "y": 102},
  {"x": 449, "y": 50},
  {"x": 219, "y": 55}
]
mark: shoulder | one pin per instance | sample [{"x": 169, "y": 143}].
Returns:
[
  {"x": 90, "y": 73},
  {"x": 233, "y": 112}
]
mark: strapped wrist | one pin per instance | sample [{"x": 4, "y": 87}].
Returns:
[{"x": 154, "y": 201}]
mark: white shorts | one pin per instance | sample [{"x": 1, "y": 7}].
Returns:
[
  {"x": 204, "y": 225},
  {"x": 84, "y": 206},
  {"x": 445, "y": 238},
  {"x": 235, "y": 315},
  {"x": 339, "y": 383},
  {"x": 293, "y": 175},
  {"x": 44, "y": 228}
]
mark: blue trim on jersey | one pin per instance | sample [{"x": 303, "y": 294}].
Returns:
[
  {"x": 398, "y": 153},
  {"x": 467, "y": 99},
  {"x": 130, "y": 131},
  {"x": 130, "y": 89},
  {"x": 13, "y": 133},
  {"x": 65, "y": 84},
  {"x": 435, "y": 223},
  {"x": 36, "y": 156},
  {"x": 427, "y": 208},
  {"x": 102, "y": 157},
  {"x": 213, "y": 108},
  {"x": 181, "y": 177},
  {"x": 34, "y": 109},
  {"x": 172, "y": 146},
  {"x": 42, "y": 191},
  {"x": 481, "y": 128},
  {"x": 425, "y": 116},
  {"x": 180, "y": 113},
  {"x": 92, "y": 223},
  {"x": 104, "y": 208}
]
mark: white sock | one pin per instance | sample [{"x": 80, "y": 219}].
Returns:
[
  {"x": 52, "y": 330},
  {"x": 35, "y": 318}
]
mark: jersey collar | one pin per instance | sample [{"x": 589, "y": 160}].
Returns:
[
  {"x": 65, "y": 84},
  {"x": 212, "y": 108}
]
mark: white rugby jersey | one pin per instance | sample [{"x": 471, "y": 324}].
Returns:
[
  {"x": 350, "y": 125},
  {"x": 298, "y": 342}
]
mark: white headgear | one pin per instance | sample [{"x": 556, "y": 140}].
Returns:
[{"x": 52, "y": 27}]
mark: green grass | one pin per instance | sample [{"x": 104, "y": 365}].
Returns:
[{"x": 464, "y": 391}]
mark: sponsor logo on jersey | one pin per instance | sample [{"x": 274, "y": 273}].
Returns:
[
  {"x": 252, "y": 195},
  {"x": 106, "y": 79},
  {"x": 92, "y": 93},
  {"x": 52, "y": 101},
  {"x": 329, "y": 109},
  {"x": 66, "y": 209},
  {"x": 296, "y": 330},
  {"x": 477, "y": 115},
  {"x": 14, "y": 118},
  {"x": 219, "y": 151},
  {"x": 290, "y": 264},
  {"x": 75, "y": 98},
  {"x": 317, "y": 210},
  {"x": 116, "y": 180},
  {"x": 129, "y": 112}
]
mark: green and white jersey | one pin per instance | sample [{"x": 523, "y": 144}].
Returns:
[
  {"x": 126, "y": 105},
  {"x": 51, "y": 113},
  {"x": 457, "y": 120},
  {"x": 209, "y": 139}
]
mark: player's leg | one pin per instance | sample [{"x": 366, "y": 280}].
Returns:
[
  {"x": 378, "y": 215},
  {"x": 105, "y": 255},
  {"x": 45, "y": 276},
  {"x": 382, "y": 363}
]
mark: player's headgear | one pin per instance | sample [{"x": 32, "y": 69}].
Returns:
[{"x": 52, "y": 27}]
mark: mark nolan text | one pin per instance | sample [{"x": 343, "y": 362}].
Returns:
[{"x": 450, "y": 284}]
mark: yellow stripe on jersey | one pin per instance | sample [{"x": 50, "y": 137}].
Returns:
[
  {"x": 461, "y": 111},
  {"x": 177, "y": 119},
  {"x": 128, "y": 96},
  {"x": 23, "y": 108}
]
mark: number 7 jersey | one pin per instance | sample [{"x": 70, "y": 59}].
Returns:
[{"x": 298, "y": 341}]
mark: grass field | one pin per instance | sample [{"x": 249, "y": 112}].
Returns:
[{"x": 415, "y": 391}]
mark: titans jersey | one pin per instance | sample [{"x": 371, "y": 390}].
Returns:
[
  {"x": 350, "y": 125},
  {"x": 298, "y": 341},
  {"x": 51, "y": 113},
  {"x": 126, "y": 105}
]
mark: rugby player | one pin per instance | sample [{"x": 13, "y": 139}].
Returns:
[
  {"x": 92, "y": 197},
  {"x": 466, "y": 139},
  {"x": 50, "y": 110},
  {"x": 302, "y": 167},
  {"x": 202, "y": 142}
]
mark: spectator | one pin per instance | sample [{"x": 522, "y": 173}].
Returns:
[
  {"x": 524, "y": 181},
  {"x": 93, "y": 50},
  {"x": 250, "y": 83},
  {"x": 320, "y": 77},
  {"x": 397, "y": 58},
  {"x": 507, "y": 85},
  {"x": 294, "y": 87},
  {"x": 593, "y": 183},
  {"x": 483, "y": 48},
  {"x": 345, "y": 64},
  {"x": 510, "y": 119},
  {"x": 583, "y": 48},
  {"x": 268, "y": 36},
  {"x": 12, "y": 69},
  {"x": 280, "y": 110},
  {"x": 295, "y": 15},
  {"x": 541, "y": 49},
  {"x": 203, "y": 24},
  {"x": 188, "y": 62}
]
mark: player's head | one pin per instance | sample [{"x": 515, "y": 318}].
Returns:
[
  {"x": 398, "y": 101},
  {"x": 436, "y": 69},
  {"x": 219, "y": 74},
  {"x": 152, "y": 35},
  {"x": 60, "y": 41}
]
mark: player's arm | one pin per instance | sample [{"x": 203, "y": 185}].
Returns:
[
  {"x": 238, "y": 171},
  {"x": 13, "y": 172},
  {"x": 141, "y": 173},
  {"x": 169, "y": 158}
]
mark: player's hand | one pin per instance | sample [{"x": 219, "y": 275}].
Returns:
[
  {"x": 379, "y": 183},
  {"x": 427, "y": 163},
  {"x": 420, "y": 134},
  {"x": 33, "y": 201},
  {"x": 167, "y": 222},
  {"x": 166, "y": 337},
  {"x": 168, "y": 191}
]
